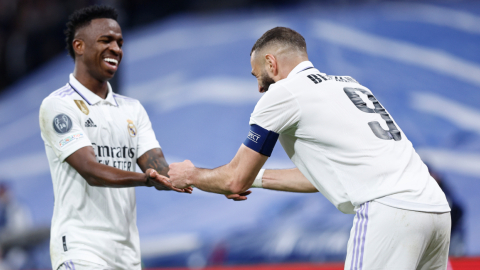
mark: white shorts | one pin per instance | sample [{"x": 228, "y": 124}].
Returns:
[
  {"x": 82, "y": 265},
  {"x": 384, "y": 237}
]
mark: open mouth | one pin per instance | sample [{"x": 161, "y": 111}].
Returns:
[{"x": 111, "y": 62}]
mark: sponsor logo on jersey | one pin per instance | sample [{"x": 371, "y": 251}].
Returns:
[
  {"x": 82, "y": 106},
  {"x": 90, "y": 123},
  {"x": 62, "y": 123},
  {"x": 253, "y": 136},
  {"x": 113, "y": 151},
  {"x": 119, "y": 157},
  {"x": 69, "y": 139},
  {"x": 132, "y": 130}
]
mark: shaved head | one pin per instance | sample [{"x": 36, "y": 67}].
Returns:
[
  {"x": 275, "y": 54},
  {"x": 281, "y": 40}
]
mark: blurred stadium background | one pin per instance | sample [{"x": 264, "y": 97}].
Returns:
[{"x": 188, "y": 63}]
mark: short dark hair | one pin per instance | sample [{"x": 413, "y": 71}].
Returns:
[
  {"x": 81, "y": 18},
  {"x": 282, "y": 35}
]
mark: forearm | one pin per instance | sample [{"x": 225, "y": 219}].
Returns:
[
  {"x": 233, "y": 178},
  {"x": 96, "y": 174},
  {"x": 154, "y": 159},
  {"x": 101, "y": 175},
  {"x": 291, "y": 180},
  {"x": 221, "y": 180}
]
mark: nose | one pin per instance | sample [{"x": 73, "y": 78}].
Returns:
[{"x": 115, "y": 48}]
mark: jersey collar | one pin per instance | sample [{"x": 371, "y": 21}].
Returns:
[
  {"x": 300, "y": 67},
  {"x": 88, "y": 95}
]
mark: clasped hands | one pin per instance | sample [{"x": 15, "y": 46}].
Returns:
[
  {"x": 160, "y": 182},
  {"x": 180, "y": 180}
]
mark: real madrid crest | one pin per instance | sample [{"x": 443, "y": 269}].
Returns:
[
  {"x": 82, "y": 106},
  {"x": 132, "y": 130}
]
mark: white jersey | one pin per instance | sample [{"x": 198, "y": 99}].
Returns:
[
  {"x": 94, "y": 224},
  {"x": 341, "y": 139}
]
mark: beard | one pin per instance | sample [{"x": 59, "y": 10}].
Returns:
[{"x": 266, "y": 81}]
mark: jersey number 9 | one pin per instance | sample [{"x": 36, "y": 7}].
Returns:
[{"x": 392, "y": 132}]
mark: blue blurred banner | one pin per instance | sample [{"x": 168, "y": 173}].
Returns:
[{"x": 192, "y": 74}]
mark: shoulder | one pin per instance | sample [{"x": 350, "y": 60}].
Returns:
[
  {"x": 318, "y": 80},
  {"x": 344, "y": 79},
  {"x": 276, "y": 92},
  {"x": 62, "y": 92},
  {"x": 59, "y": 96},
  {"x": 123, "y": 100},
  {"x": 127, "y": 99}
]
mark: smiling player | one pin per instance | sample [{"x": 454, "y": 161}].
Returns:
[{"x": 94, "y": 138}]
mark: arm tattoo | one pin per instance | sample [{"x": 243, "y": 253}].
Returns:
[{"x": 154, "y": 159}]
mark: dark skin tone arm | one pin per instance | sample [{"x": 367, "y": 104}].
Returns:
[
  {"x": 99, "y": 175},
  {"x": 154, "y": 159}
]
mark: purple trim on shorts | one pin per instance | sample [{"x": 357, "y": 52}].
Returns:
[
  {"x": 73, "y": 266},
  {"x": 355, "y": 238},
  {"x": 362, "y": 221},
  {"x": 359, "y": 237},
  {"x": 364, "y": 235}
]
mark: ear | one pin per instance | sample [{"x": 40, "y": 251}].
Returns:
[
  {"x": 271, "y": 65},
  {"x": 78, "y": 46}
]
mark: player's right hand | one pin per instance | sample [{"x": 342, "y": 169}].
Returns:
[
  {"x": 161, "y": 182},
  {"x": 239, "y": 197}
]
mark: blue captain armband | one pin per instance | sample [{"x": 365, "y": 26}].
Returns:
[{"x": 261, "y": 140}]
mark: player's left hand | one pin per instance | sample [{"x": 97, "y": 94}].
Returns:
[
  {"x": 180, "y": 173},
  {"x": 239, "y": 197}
]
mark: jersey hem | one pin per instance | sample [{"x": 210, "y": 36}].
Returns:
[{"x": 421, "y": 207}]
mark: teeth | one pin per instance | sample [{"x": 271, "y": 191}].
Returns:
[{"x": 114, "y": 61}]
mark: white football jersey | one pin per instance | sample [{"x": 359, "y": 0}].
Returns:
[
  {"x": 347, "y": 145},
  {"x": 95, "y": 224}
]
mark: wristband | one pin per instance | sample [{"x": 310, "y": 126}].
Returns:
[{"x": 258, "y": 180}]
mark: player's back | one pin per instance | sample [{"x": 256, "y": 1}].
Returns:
[{"x": 350, "y": 148}]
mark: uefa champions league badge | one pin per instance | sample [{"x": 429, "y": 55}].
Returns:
[
  {"x": 62, "y": 123},
  {"x": 132, "y": 130}
]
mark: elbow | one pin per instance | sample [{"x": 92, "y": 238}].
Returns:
[
  {"x": 236, "y": 186},
  {"x": 92, "y": 181}
]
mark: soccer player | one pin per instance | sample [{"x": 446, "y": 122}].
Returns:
[
  {"x": 345, "y": 145},
  {"x": 93, "y": 139}
]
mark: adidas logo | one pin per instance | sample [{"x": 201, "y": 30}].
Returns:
[{"x": 89, "y": 123}]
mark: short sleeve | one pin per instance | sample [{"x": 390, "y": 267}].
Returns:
[
  {"x": 60, "y": 128},
  {"x": 276, "y": 111},
  {"x": 146, "y": 136}
]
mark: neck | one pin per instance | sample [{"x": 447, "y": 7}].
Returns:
[
  {"x": 99, "y": 88},
  {"x": 287, "y": 66}
]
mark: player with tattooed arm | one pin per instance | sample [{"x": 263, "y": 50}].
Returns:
[{"x": 94, "y": 138}]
